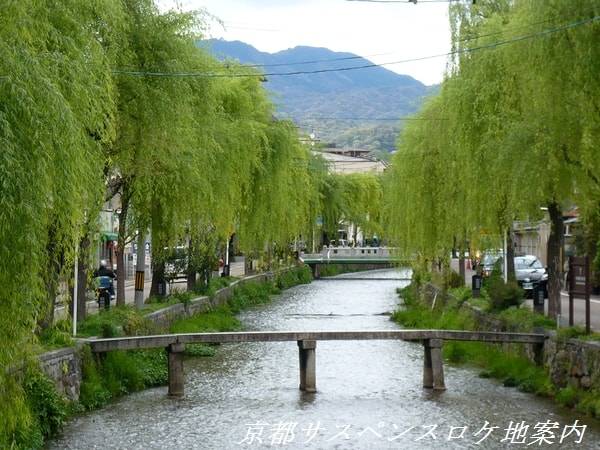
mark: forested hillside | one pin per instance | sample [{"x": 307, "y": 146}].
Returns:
[{"x": 309, "y": 98}]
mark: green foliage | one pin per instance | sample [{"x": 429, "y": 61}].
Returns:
[
  {"x": 509, "y": 365},
  {"x": 181, "y": 297},
  {"x": 577, "y": 332},
  {"x": 47, "y": 409},
  {"x": 200, "y": 350},
  {"x": 454, "y": 279},
  {"x": 251, "y": 294},
  {"x": 118, "y": 321},
  {"x": 503, "y": 295},
  {"x": 56, "y": 336},
  {"x": 355, "y": 198},
  {"x": 92, "y": 392},
  {"x": 293, "y": 277},
  {"x": 461, "y": 293},
  {"x": 589, "y": 403},
  {"x": 525, "y": 111},
  {"x": 523, "y": 319},
  {"x": 194, "y": 159},
  {"x": 214, "y": 284},
  {"x": 120, "y": 373},
  {"x": 219, "y": 319},
  {"x": 568, "y": 396}
]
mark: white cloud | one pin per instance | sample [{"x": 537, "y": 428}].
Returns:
[{"x": 392, "y": 31}]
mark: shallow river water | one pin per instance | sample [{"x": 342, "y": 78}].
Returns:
[{"x": 369, "y": 392}]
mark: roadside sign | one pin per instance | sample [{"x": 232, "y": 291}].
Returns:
[{"x": 580, "y": 286}]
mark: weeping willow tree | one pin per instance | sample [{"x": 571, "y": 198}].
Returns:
[
  {"x": 56, "y": 114},
  {"x": 352, "y": 198},
  {"x": 513, "y": 129},
  {"x": 155, "y": 165}
]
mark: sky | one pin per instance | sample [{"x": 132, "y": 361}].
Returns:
[{"x": 381, "y": 32}]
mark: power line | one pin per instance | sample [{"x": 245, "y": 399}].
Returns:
[
  {"x": 301, "y": 119},
  {"x": 364, "y": 66},
  {"x": 347, "y": 58},
  {"x": 315, "y": 61},
  {"x": 406, "y": 1}
]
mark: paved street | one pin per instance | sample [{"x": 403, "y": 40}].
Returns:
[
  {"x": 236, "y": 270},
  {"x": 578, "y": 309}
]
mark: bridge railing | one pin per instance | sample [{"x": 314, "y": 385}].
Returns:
[
  {"x": 353, "y": 252},
  {"x": 432, "y": 340}
]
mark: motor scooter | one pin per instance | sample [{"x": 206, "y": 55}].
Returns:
[{"x": 104, "y": 291}]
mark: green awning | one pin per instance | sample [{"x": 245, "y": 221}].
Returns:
[{"x": 108, "y": 236}]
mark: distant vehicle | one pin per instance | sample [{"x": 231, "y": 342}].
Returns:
[
  {"x": 176, "y": 261},
  {"x": 488, "y": 262}
]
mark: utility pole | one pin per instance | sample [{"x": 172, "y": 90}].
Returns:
[
  {"x": 140, "y": 269},
  {"x": 75, "y": 287}
]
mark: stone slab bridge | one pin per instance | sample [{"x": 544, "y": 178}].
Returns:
[
  {"x": 432, "y": 340},
  {"x": 369, "y": 257}
]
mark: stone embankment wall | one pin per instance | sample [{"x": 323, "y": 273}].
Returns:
[
  {"x": 63, "y": 366},
  {"x": 570, "y": 362},
  {"x": 163, "y": 318}
]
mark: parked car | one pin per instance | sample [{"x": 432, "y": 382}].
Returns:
[
  {"x": 529, "y": 271},
  {"x": 530, "y": 274}
]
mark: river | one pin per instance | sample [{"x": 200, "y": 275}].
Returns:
[{"x": 369, "y": 392}]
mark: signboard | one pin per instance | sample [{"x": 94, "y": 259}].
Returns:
[{"x": 579, "y": 286}]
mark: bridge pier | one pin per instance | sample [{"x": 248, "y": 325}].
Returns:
[
  {"x": 433, "y": 365},
  {"x": 308, "y": 376},
  {"x": 316, "y": 272},
  {"x": 175, "y": 364}
]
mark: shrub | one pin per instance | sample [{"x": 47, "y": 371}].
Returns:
[
  {"x": 567, "y": 396},
  {"x": 503, "y": 295},
  {"x": 590, "y": 403},
  {"x": 200, "y": 350},
  {"x": 57, "y": 336},
  {"x": 293, "y": 277},
  {"x": 47, "y": 407},
  {"x": 461, "y": 293},
  {"x": 118, "y": 321},
  {"x": 453, "y": 280},
  {"x": 92, "y": 393},
  {"x": 219, "y": 319}
]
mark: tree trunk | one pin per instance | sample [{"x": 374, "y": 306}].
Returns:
[
  {"x": 120, "y": 252},
  {"x": 461, "y": 263},
  {"x": 46, "y": 316},
  {"x": 82, "y": 277},
  {"x": 510, "y": 257},
  {"x": 555, "y": 246},
  {"x": 191, "y": 267}
]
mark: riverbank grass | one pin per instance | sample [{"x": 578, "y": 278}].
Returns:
[{"x": 508, "y": 363}]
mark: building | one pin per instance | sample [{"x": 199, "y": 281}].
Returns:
[{"x": 339, "y": 160}]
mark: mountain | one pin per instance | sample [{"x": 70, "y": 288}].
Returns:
[{"x": 315, "y": 100}]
